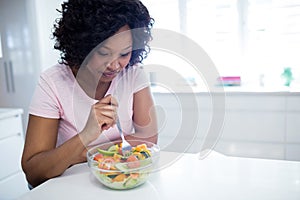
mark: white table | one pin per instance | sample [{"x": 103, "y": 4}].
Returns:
[{"x": 215, "y": 177}]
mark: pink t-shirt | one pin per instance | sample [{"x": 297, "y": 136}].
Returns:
[{"x": 59, "y": 96}]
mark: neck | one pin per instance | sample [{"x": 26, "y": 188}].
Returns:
[{"x": 101, "y": 90}]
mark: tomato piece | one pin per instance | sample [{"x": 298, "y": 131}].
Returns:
[
  {"x": 107, "y": 163},
  {"x": 120, "y": 151},
  {"x": 133, "y": 162},
  {"x": 135, "y": 175},
  {"x": 98, "y": 157}
]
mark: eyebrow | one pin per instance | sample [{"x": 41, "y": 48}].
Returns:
[{"x": 130, "y": 46}]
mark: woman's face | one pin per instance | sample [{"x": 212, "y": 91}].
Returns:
[{"x": 112, "y": 56}]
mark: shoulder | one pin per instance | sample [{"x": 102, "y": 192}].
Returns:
[
  {"x": 134, "y": 70},
  {"x": 58, "y": 72},
  {"x": 136, "y": 77},
  {"x": 58, "y": 69}
]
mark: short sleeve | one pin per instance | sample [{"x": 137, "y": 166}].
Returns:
[
  {"x": 141, "y": 79},
  {"x": 44, "y": 102}
]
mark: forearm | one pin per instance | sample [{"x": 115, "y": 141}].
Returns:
[
  {"x": 52, "y": 163},
  {"x": 139, "y": 136}
]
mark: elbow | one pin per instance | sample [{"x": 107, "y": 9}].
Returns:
[
  {"x": 31, "y": 173},
  {"x": 28, "y": 174}
]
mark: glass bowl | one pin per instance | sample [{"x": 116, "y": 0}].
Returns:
[{"x": 120, "y": 172}]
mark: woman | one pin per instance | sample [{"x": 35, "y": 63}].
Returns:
[{"x": 98, "y": 79}]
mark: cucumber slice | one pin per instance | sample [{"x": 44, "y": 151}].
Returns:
[
  {"x": 145, "y": 163},
  {"x": 113, "y": 148},
  {"x": 125, "y": 169},
  {"x": 122, "y": 167},
  {"x": 106, "y": 153},
  {"x": 146, "y": 154},
  {"x": 130, "y": 182}
]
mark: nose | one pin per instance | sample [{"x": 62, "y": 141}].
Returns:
[{"x": 113, "y": 65}]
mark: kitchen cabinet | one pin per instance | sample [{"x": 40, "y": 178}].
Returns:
[
  {"x": 256, "y": 124},
  {"x": 18, "y": 64},
  {"x": 12, "y": 178},
  {"x": 26, "y": 49}
]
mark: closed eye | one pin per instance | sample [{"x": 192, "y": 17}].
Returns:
[
  {"x": 125, "y": 54},
  {"x": 102, "y": 53}
]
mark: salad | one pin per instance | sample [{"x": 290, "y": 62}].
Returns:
[{"x": 123, "y": 172}]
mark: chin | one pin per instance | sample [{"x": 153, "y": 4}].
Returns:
[{"x": 106, "y": 79}]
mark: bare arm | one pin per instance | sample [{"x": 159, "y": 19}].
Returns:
[
  {"x": 42, "y": 160},
  {"x": 144, "y": 116}
]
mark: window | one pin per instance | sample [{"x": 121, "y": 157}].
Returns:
[
  {"x": 273, "y": 39},
  {"x": 254, "y": 39}
]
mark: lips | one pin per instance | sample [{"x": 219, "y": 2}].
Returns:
[{"x": 110, "y": 74}]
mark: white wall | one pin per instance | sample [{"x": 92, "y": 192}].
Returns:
[{"x": 45, "y": 13}]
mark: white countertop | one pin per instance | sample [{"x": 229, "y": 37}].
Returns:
[
  {"x": 215, "y": 177},
  {"x": 231, "y": 90}
]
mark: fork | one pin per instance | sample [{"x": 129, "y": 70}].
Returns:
[{"x": 126, "y": 147}]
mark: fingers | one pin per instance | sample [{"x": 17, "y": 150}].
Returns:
[
  {"x": 106, "y": 112},
  {"x": 109, "y": 100},
  {"x": 105, "y": 116},
  {"x": 102, "y": 116}
]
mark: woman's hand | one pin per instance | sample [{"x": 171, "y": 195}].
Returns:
[{"x": 102, "y": 116}]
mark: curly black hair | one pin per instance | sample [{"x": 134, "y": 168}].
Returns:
[{"x": 86, "y": 23}]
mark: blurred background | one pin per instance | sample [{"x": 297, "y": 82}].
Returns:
[{"x": 254, "y": 45}]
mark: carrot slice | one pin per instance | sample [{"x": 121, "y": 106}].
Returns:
[{"x": 119, "y": 178}]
